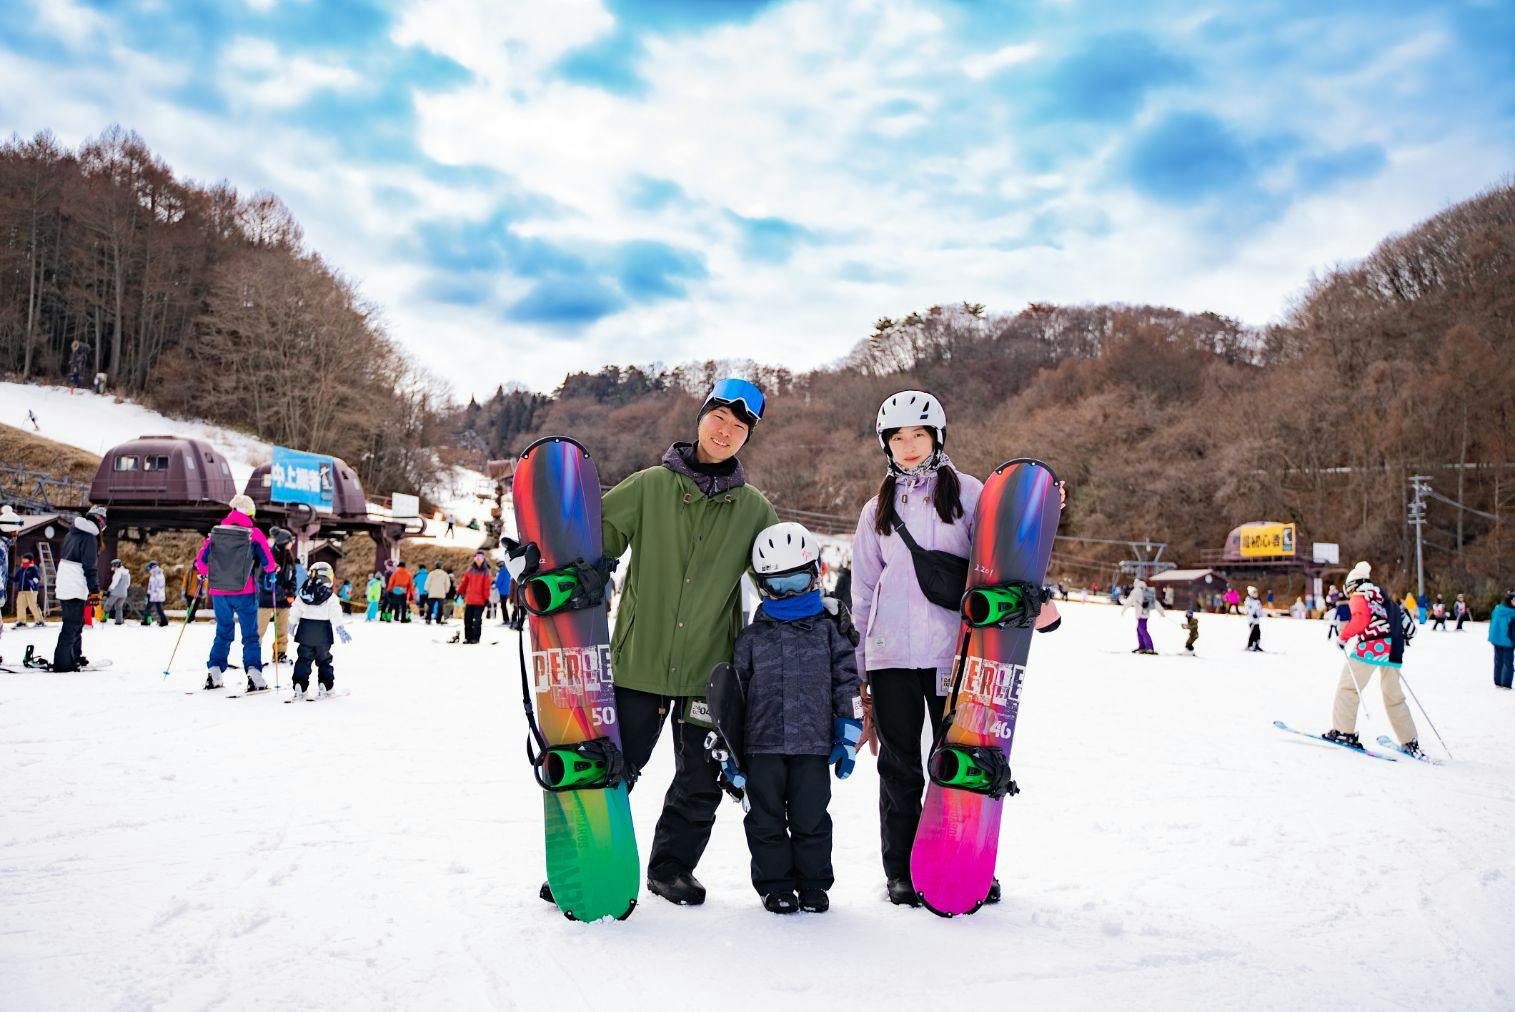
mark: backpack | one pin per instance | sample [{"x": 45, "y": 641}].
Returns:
[
  {"x": 229, "y": 559},
  {"x": 1401, "y": 630}
]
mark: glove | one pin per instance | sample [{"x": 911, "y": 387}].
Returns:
[
  {"x": 869, "y": 736},
  {"x": 733, "y": 780},
  {"x": 845, "y": 733},
  {"x": 343, "y": 634},
  {"x": 842, "y": 616},
  {"x": 521, "y": 558}
]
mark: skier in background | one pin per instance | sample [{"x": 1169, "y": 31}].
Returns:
[
  {"x": 235, "y": 603},
  {"x": 502, "y": 593},
  {"x": 475, "y": 585},
  {"x": 157, "y": 593},
  {"x": 1460, "y": 611},
  {"x": 26, "y": 584},
  {"x": 115, "y": 597},
  {"x": 373, "y": 593},
  {"x": 400, "y": 584},
  {"x": 1254, "y": 621},
  {"x": 438, "y": 587},
  {"x": 1233, "y": 601},
  {"x": 276, "y": 592},
  {"x": 1191, "y": 624},
  {"x": 1379, "y": 627},
  {"x": 1439, "y": 614},
  {"x": 1144, "y": 600},
  {"x": 1502, "y": 637}
]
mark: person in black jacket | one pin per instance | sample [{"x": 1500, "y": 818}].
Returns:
[
  {"x": 78, "y": 580},
  {"x": 804, "y": 713}
]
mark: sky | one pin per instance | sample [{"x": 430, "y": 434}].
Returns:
[{"x": 531, "y": 187}]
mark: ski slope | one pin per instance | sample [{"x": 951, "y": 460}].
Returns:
[
  {"x": 164, "y": 849},
  {"x": 97, "y": 423}
]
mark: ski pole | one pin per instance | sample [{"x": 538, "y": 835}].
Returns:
[
  {"x": 1426, "y": 715},
  {"x": 189, "y": 616}
]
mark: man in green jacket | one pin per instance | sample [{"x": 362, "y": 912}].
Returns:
[{"x": 690, "y": 523}]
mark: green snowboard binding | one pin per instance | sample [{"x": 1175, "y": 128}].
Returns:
[{"x": 981, "y": 769}]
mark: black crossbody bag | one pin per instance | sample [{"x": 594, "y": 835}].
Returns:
[{"x": 943, "y": 577}]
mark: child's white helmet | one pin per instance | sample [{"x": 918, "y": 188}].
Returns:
[
  {"x": 784, "y": 547},
  {"x": 911, "y": 407}
]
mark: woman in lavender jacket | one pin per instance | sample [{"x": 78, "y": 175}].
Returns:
[{"x": 907, "y": 643}]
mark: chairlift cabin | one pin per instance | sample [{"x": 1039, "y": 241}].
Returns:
[
  {"x": 347, "y": 501},
  {"x": 162, "y": 471}
]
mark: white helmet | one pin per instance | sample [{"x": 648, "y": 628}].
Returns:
[
  {"x": 784, "y": 547},
  {"x": 1360, "y": 574},
  {"x": 322, "y": 571},
  {"x": 911, "y": 407}
]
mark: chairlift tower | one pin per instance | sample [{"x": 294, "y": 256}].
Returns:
[{"x": 1420, "y": 487}]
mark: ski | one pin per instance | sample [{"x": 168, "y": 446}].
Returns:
[
  {"x": 1327, "y": 741},
  {"x": 1390, "y": 743},
  {"x": 244, "y": 693}
]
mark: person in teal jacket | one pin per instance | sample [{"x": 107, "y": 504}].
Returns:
[
  {"x": 374, "y": 594},
  {"x": 1502, "y": 635}
]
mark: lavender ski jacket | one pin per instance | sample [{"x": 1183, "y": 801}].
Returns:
[{"x": 899, "y": 627}]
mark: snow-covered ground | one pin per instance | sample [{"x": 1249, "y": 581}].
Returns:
[
  {"x": 97, "y": 423},
  {"x": 164, "y": 849}
]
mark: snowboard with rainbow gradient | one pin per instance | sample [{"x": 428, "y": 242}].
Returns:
[
  {"x": 575, "y": 741},
  {"x": 952, "y": 861}
]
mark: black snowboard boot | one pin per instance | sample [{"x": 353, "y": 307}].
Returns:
[
  {"x": 814, "y": 901},
  {"x": 1343, "y": 738},
  {"x": 993, "y": 896},
  {"x": 781, "y": 903},
  {"x": 682, "y": 888},
  {"x": 902, "y": 893},
  {"x": 546, "y": 894}
]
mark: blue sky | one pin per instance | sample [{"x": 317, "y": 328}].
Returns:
[{"x": 527, "y": 188}]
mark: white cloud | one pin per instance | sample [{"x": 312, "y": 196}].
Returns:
[
  {"x": 988, "y": 64},
  {"x": 258, "y": 73},
  {"x": 507, "y": 45}
]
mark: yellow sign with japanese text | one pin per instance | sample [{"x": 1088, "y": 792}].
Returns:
[{"x": 1264, "y": 540}]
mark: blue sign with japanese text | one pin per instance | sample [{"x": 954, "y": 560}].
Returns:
[{"x": 299, "y": 477}]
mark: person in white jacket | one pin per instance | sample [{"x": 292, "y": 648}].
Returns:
[
  {"x": 1253, "y": 610},
  {"x": 157, "y": 593},
  {"x": 1144, "y": 600},
  {"x": 115, "y": 596},
  {"x": 315, "y": 623}
]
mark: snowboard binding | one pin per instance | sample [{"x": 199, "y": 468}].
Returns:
[
  {"x": 981, "y": 769},
  {"x": 573, "y": 587},
  {"x": 596, "y": 764},
  {"x": 1016, "y": 604},
  {"x": 30, "y": 659}
]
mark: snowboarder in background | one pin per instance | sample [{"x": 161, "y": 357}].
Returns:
[
  {"x": 1502, "y": 636},
  {"x": 26, "y": 584},
  {"x": 115, "y": 596},
  {"x": 1379, "y": 626},
  {"x": 231, "y": 559},
  {"x": 804, "y": 712},
  {"x": 1439, "y": 614},
  {"x": 78, "y": 581},
  {"x": 689, "y": 521},
  {"x": 1144, "y": 599},
  {"x": 1254, "y": 621},
  {"x": 1191, "y": 624},
  {"x": 1460, "y": 611},
  {"x": 373, "y": 593},
  {"x": 157, "y": 593},
  {"x": 316, "y": 622}
]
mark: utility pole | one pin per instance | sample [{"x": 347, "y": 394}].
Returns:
[{"x": 1420, "y": 486}]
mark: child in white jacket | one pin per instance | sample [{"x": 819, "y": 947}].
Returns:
[{"x": 314, "y": 623}]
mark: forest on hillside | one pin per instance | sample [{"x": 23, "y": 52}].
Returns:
[
  {"x": 199, "y": 301},
  {"x": 1169, "y": 425}
]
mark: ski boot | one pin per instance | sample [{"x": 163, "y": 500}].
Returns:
[
  {"x": 1412, "y": 748},
  {"x": 1346, "y": 738},
  {"x": 322, "y": 692},
  {"x": 681, "y": 889},
  {"x": 298, "y": 694},
  {"x": 902, "y": 892},
  {"x": 781, "y": 903},
  {"x": 255, "y": 682},
  {"x": 213, "y": 678},
  {"x": 814, "y": 901}
]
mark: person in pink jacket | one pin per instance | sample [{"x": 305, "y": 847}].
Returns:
[
  {"x": 232, "y": 558},
  {"x": 907, "y": 646}
]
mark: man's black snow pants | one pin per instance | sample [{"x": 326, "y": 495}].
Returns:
[
  {"x": 788, "y": 827},
  {"x": 473, "y": 622},
  {"x": 689, "y": 807},
  {"x": 321, "y": 656},
  {"x": 70, "y": 637},
  {"x": 903, "y": 698}
]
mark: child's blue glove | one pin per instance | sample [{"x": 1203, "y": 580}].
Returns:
[
  {"x": 343, "y": 634},
  {"x": 845, "y": 734}
]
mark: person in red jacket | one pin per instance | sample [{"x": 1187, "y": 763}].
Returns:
[
  {"x": 400, "y": 584},
  {"x": 474, "y": 586},
  {"x": 1378, "y": 626}
]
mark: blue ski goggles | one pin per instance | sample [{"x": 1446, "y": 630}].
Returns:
[
  {"x": 741, "y": 394},
  {"x": 796, "y": 581}
]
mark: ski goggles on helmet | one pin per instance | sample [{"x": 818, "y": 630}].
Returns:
[
  {"x": 795, "y": 581},
  {"x": 740, "y": 394}
]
